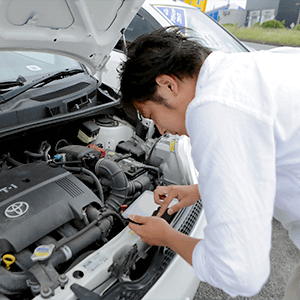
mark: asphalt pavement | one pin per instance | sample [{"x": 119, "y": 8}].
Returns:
[{"x": 283, "y": 257}]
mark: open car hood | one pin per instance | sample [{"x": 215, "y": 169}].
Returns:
[{"x": 85, "y": 30}]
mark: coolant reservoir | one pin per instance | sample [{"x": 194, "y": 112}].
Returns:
[{"x": 112, "y": 132}]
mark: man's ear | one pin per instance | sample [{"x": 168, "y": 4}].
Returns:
[{"x": 167, "y": 83}]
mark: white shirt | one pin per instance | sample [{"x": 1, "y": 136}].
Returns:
[{"x": 244, "y": 126}]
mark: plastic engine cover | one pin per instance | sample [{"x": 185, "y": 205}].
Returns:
[{"x": 35, "y": 199}]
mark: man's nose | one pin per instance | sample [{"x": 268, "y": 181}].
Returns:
[{"x": 161, "y": 130}]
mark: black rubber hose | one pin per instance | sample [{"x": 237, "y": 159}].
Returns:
[
  {"x": 35, "y": 155},
  {"x": 94, "y": 213},
  {"x": 41, "y": 154},
  {"x": 118, "y": 181},
  {"x": 143, "y": 183},
  {"x": 99, "y": 220},
  {"x": 12, "y": 283},
  {"x": 76, "y": 235},
  {"x": 114, "y": 214},
  {"x": 46, "y": 153},
  {"x": 12, "y": 161},
  {"x": 75, "y": 245}
]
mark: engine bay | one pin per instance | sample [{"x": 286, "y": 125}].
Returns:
[{"x": 63, "y": 191}]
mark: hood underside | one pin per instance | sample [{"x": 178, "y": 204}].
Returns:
[{"x": 85, "y": 30}]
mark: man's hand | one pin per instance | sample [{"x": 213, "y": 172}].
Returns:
[
  {"x": 153, "y": 230},
  {"x": 186, "y": 194},
  {"x": 156, "y": 231}
]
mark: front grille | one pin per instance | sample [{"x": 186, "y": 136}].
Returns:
[{"x": 188, "y": 224}]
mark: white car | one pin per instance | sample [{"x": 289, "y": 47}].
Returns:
[
  {"x": 155, "y": 14},
  {"x": 74, "y": 164}
]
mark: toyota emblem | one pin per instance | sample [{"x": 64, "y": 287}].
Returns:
[{"x": 16, "y": 209}]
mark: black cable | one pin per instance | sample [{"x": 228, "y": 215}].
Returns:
[{"x": 152, "y": 149}]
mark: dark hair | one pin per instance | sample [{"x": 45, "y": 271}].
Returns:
[{"x": 163, "y": 51}]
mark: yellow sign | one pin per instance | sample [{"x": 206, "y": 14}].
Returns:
[{"x": 201, "y": 4}]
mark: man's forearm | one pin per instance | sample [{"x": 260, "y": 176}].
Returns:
[{"x": 182, "y": 244}]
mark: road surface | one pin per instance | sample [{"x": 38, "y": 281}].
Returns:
[{"x": 284, "y": 256}]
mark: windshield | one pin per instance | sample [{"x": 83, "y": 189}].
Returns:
[
  {"x": 32, "y": 65},
  {"x": 209, "y": 33}
]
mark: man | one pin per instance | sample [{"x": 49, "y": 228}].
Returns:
[{"x": 242, "y": 114}]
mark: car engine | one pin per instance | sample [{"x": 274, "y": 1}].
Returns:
[{"x": 63, "y": 191}]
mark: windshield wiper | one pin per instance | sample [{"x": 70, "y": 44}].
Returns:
[
  {"x": 9, "y": 84},
  {"x": 44, "y": 80}
]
